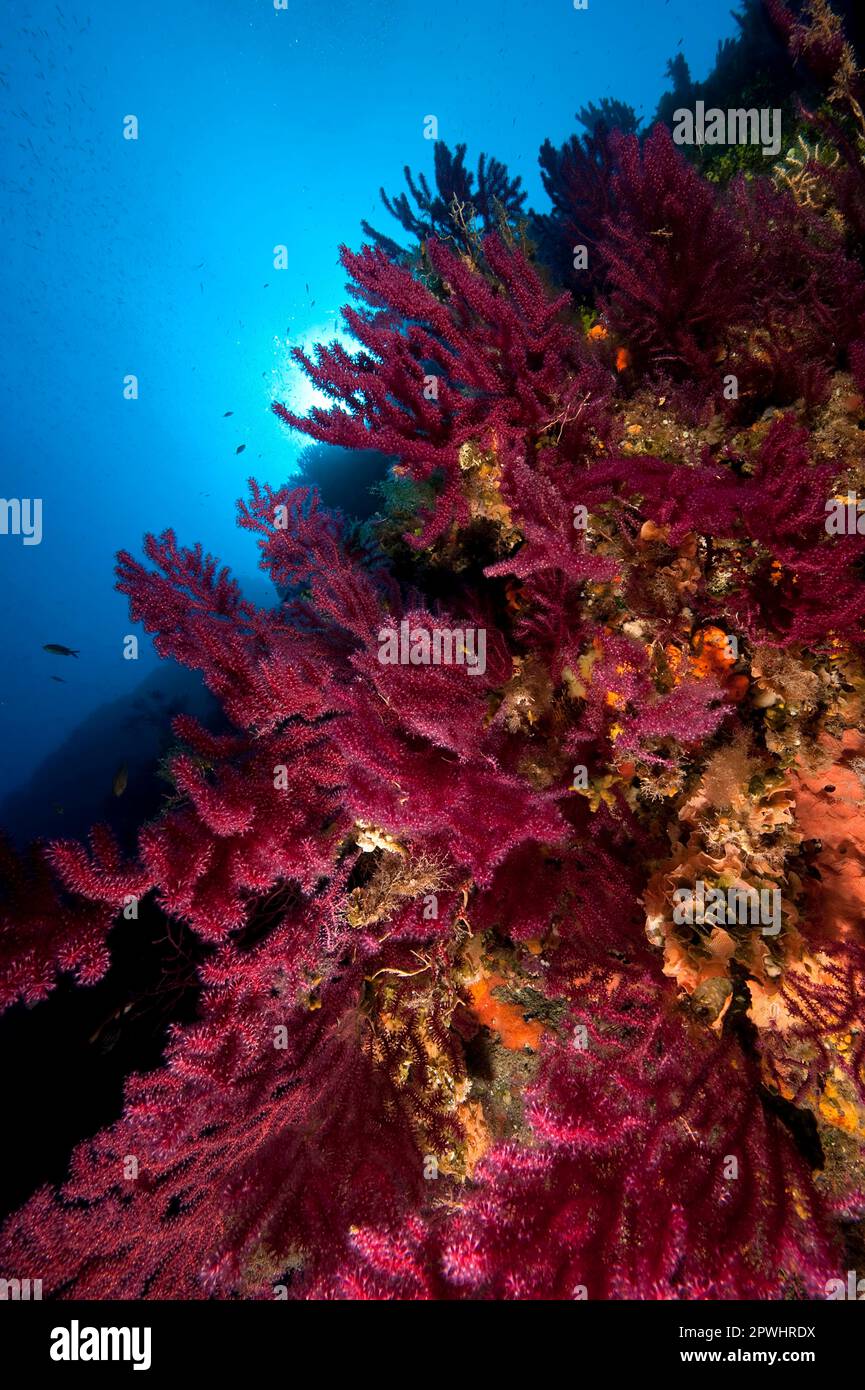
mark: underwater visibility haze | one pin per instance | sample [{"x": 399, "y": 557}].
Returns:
[{"x": 441, "y": 873}]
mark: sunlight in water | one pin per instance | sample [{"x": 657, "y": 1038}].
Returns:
[{"x": 289, "y": 382}]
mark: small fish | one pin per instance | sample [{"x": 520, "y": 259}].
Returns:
[
  {"x": 59, "y": 680},
  {"x": 240, "y": 448},
  {"x": 227, "y": 413},
  {"x": 121, "y": 778},
  {"x": 56, "y": 649},
  {"x": 109, "y": 1031}
]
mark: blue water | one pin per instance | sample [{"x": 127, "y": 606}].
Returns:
[{"x": 154, "y": 257}]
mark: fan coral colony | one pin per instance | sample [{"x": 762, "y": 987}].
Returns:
[{"x": 525, "y": 879}]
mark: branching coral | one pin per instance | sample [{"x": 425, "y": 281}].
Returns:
[{"x": 458, "y": 209}]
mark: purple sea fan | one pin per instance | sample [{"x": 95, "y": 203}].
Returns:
[
  {"x": 544, "y": 515},
  {"x": 609, "y": 1171},
  {"x": 414, "y": 936},
  {"x": 473, "y": 811},
  {"x": 456, "y": 204},
  {"x": 623, "y": 706},
  {"x": 797, "y": 581},
  {"x": 784, "y": 508},
  {"x": 818, "y": 40},
  {"x": 818, "y": 1001},
  {"x": 578, "y": 179},
  {"x": 241, "y": 1148},
  {"x": 44, "y": 931},
  {"x": 445, "y": 703},
  {"x": 674, "y": 258},
  {"x": 655, "y": 1173},
  {"x": 807, "y": 297},
  {"x": 487, "y": 362},
  {"x": 629, "y": 1199}
]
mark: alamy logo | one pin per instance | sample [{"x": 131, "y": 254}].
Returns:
[
  {"x": 846, "y": 516},
  {"x": 852, "y": 1288},
  {"x": 77, "y": 1343},
  {"x": 728, "y": 907},
  {"x": 20, "y": 1290},
  {"x": 733, "y": 127},
  {"x": 22, "y": 516},
  {"x": 440, "y": 646}
]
